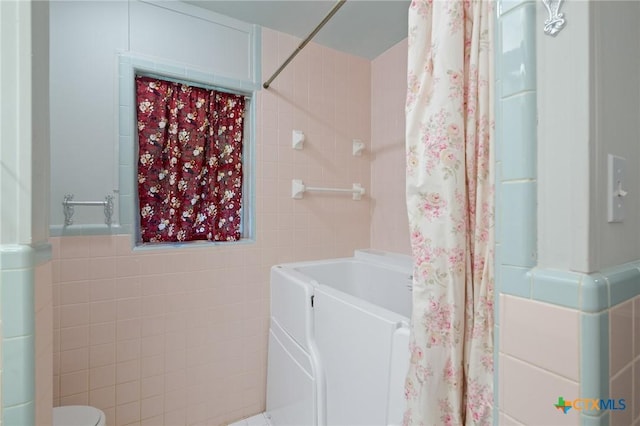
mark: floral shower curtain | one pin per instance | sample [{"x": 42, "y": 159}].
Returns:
[
  {"x": 449, "y": 137},
  {"x": 190, "y": 162}
]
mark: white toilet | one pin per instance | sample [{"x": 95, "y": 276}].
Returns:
[{"x": 78, "y": 415}]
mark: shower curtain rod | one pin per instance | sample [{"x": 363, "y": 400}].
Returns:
[{"x": 326, "y": 19}]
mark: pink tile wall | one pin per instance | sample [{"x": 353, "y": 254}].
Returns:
[
  {"x": 44, "y": 343},
  {"x": 389, "y": 225},
  {"x": 179, "y": 337},
  {"x": 624, "y": 360},
  {"x": 539, "y": 360}
]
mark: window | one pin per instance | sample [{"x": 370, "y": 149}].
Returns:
[{"x": 190, "y": 161}]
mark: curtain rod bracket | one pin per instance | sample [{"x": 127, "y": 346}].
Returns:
[{"x": 326, "y": 19}]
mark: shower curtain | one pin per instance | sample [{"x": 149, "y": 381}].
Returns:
[{"x": 449, "y": 117}]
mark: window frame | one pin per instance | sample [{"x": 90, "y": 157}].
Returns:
[{"x": 129, "y": 205}]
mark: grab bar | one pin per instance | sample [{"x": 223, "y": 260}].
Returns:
[
  {"x": 298, "y": 188},
  {"x": 68, "y": 208}
]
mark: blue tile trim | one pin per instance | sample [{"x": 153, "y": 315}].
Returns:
[
  {"x": 125, "y": 149},
  {"x": 496, "y": 370},
  {"x": 497, "y": 285},
  {"x": 498, "y": 219},
  {"x": 24, "y": 414},
  {"x": 515, "y": 281},
  {"x": 498, "y": 209},
  {"x": 518, "y": 50},
  {"x": 558, "y": 287},
  {"x": 18, "y": 375},
  {"x": 624, "y": 282},
  {"x": 519, "y": 228},
  {"x": 519, "y": 132},
  {"x": 42, "y": 253},
  {"x": 124, "y": 116},
  {"x": 17, "y": 301},
  {"x": 17, "y": 276},
  {"x": 257, "y": 63},
  {"x": 16, "y": 256},
  {"x": 505, "y": 6},
  {"x": 126, "y": 185},
  {"x": 594, "y": 293},
  {"x": 79, "y": 230},
  {"x": 586, "y": 420},
  {"x": 594, "y": 356},
  {"x": 590, "y": 293}
]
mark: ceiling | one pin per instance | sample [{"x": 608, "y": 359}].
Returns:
[{"x": 361, "y": 27}]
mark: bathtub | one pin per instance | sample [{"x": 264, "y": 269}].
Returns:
[{"x": 338, "y": 340}]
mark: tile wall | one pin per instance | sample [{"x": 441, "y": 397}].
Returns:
[
  {"x": 43, "y": 306},
  {"x": 624, "y": 361},
  {"x": 539, "y": 361},
  {"x": 389, "y": 223},
  {"x": 179, "y": 336}
]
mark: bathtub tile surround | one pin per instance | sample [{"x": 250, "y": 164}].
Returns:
[{"x": 389, "y": 223}]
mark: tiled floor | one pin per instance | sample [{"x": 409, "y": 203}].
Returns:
[{"x": 257, "y": 420}]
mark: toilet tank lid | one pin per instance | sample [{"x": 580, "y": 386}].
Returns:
[{"x": 76, "y": 415}]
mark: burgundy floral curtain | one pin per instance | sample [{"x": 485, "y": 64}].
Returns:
[{"x": 190, "y": 162}]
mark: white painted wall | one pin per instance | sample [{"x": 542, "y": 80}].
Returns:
[
  {"x": 86, "y": 38},
  {"x": 588, "y": 107},
  {"x": 563, "y": 73},
  {"x": 616, "y": 103},
  {"x": 24, "y": 122},
  {"x": 40, "y": 125}
]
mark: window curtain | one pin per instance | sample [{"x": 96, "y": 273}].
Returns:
[
  {"x": 190, "y": 162},
  {"x": 449, "y": 140}
]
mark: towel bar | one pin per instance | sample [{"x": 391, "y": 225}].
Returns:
[
  {"x": 68, "y": 208},
  {"x": 298, "y": 188}
]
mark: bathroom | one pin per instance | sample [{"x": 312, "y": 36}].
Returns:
[{"x": 179, "y": 336}]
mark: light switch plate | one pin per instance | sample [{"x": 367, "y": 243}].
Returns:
[{"x": 616, "y": 186}]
